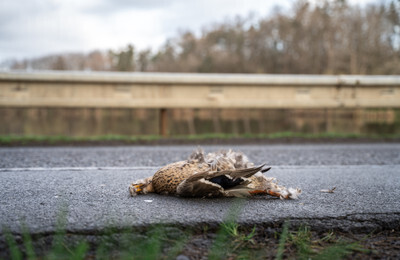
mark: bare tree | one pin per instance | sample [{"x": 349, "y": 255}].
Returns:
[{"x": 322, "y": 37}]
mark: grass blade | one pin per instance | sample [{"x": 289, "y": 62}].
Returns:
[
  {"x": 80, "y": 250},
  {"x": 27, "y": 239},
  {"x": 228, "y": 228},
  {"x": 282, "y": 241},
  {"x": 15, "y": 252},
  {"x": 58, "y": 248}
]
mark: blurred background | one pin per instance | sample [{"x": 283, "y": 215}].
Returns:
[{"x": 327, "y": 37}]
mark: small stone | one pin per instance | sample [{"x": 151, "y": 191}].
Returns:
[{"x": 182, "y": 257}]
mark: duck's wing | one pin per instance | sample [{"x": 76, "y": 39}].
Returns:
[
  {"x": 247, "y": 172},
  {"x": 217, "y": 183}
]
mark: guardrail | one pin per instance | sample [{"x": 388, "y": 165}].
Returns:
[
  {"x": 162, "y": 90},
  {"x": 174, "y": 90}
]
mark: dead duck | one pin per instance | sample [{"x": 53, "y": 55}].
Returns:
[{"x": 218, "y": 174}]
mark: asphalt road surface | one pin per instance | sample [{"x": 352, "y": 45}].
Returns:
[
  {"x": 91, "y": 184},
  {"x": 135, "y": 156}
]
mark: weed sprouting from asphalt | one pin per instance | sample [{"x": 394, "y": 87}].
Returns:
[
  {"x": 339, "y": 250},
  {"x": 15, "y": 252},
  {"x": 302, "y": 240},
  {"x": 282, "y": 241},
  {"x": 228, "y": 230},
  {"x": 327, "y": 247},
  {"x": 232, "y": 241},
  {"x": 27, "y": 241}
]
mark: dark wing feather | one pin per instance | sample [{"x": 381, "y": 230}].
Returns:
[{"x": 245, "y": 173}]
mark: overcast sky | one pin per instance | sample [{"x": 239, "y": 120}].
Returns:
[{"x": 33, "y": 28}]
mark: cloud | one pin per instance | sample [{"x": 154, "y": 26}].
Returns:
[
  {"x": 37, "y": 27},
  {"x": 110, "y": 6},
  {"x": 32, "y": 28}
]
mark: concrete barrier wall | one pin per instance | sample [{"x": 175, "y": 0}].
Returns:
[
  {"x": 165, "y": 90},
  {"x": 128, "y": 121}
]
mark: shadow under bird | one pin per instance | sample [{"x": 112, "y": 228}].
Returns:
[{"x": 217, "y": 174}]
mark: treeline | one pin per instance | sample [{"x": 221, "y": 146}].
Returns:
[{"x": 330, "y": 37}]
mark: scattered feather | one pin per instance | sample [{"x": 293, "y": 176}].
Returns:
[{"x": 329, "y": 191}]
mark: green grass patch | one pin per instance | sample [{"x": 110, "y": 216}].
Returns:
[
  {"x": 15, "y": 139},
  {"x": 229, "y": 241},
  {"x": 327, "y": 247},
  {"x": 280, "y": 135},
  {"x": 157, "y": 242},
  {"x": 52, "y": 140}
]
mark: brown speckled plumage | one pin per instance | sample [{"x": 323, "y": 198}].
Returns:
[
  {"x": 167, "y": 179},
  {"x": 224, "y": 173}
]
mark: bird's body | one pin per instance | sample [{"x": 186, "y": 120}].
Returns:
[
  {"x": 220, "y": 174},
  {"x": 167, "y": 179}
]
